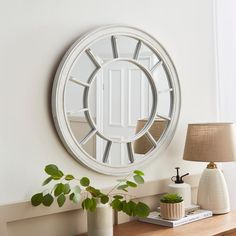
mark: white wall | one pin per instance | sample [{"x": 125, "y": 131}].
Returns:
[
  {"x": 226, "y": 35},
  {"x": 33, "y": 37}
]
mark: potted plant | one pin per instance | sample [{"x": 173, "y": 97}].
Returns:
[
  {"x": 98, "y": 204},
  {"x": 172, "y": 207}
]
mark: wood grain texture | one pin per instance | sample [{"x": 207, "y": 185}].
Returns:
[{"x": 217, "y": 225}]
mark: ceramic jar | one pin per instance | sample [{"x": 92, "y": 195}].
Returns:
[
  {"x": 172, "y": 211},
  {"x": 100, "y": 222}
]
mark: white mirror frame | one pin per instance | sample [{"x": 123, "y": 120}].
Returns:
[{"x": 63, "y": 76}]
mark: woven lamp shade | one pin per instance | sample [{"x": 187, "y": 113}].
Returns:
[
  {"x": 211, "y": 142},
  {"x": 142, "y": 145}
]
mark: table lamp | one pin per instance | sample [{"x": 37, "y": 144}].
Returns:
[
  {"x": 211, "y": 142},
  {"x": 143, "y": 145}
]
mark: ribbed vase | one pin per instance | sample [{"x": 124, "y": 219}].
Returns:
[{"x": 172, "y": 211}]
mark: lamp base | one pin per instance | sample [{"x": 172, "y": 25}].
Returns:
[{"x": 213, "y": 192}]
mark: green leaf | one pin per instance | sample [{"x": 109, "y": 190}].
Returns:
[
  {"x": 122, "y": 187},
  {"x": 141, "y": 210},
  {"x": 54, "y": 187},
  {"x": 118, "y": 197},
  {"x": 83, "y": 205},
  {"x": 138, "y": 179},
  {"x": 59, "y": 189},
  {"x": 132, "y": 206},
  {"x": 46, "y": 181},
  {"x": 126, "y": 208},
  {"x": 56, "y": 177},
  {"x": 60, "y": 173},
  {"x": 139, "y": 172},
  {"x": 66, "y": 188},
  {"x": 61, "y": 200},
  {"x": 71, "y": 196},
  {"x": 69, "y": 177},
  {"x": 93, "y": 191},
  {"x": 85, "y": 181},
  {"x": 76, "y": 198},
  {"x": 51, "y": 170},
  {"x": 117, "y": 205},
  {"x": 94, "y": 204},
  {"x": 37, "y": 199},
  {"x": 77, "y": 189},
  {"x": 88, "y": 203},
  {"x": 104, "y": 199},
  {"x": 48, "y": 200},
  {"x": 131, "y": 184}
]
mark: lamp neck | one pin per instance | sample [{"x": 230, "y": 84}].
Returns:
[{"x": 211, "y": 165}]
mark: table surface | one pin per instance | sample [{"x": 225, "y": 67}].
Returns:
[{"x": 216, "y": 225}]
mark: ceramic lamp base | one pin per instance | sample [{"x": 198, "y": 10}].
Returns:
[{"x": 213, "y": 192}]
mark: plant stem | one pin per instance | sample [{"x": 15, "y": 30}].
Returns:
[
  {"x": 123, "y": 194},
  {"x": 119, "y": 184}
]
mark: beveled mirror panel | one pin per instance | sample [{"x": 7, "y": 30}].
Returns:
[{"x": 116, "y": 99}]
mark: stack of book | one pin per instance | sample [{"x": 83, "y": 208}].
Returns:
[{"x": 155, "y": 218}]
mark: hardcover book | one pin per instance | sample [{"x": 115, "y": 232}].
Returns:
[{"x": 155, "y": 218}]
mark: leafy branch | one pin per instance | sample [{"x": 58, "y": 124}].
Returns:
[{"x": 89, "y": 195}]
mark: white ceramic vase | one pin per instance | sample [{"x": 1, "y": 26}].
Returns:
[
  {"x": 100, "y": 222},
  {"x": 172, "y": 211}
]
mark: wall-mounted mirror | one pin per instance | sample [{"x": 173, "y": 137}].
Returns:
[{"x": 116, "y": 99}]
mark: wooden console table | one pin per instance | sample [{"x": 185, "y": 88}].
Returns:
[{"x": 217, "y": 225}]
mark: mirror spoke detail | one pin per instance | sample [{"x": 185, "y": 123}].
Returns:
[
  {"x": 130, "y": 152},
  {"x": 114, "y": 46},
  {"x": 165, "y": 91},
  {"x": 137, "y": 50},
  {"x": 151, "y": 139},
  {"x": 163, "y": 117},
  {"x": 74, "y": 80},
  {"x": 76, "y": 112},
  {"x": 106, "y": 152},
  {"x": 95, "y": 59},
  {"x": 88, "y": 136},
  {"x": 159, "y": 63}
]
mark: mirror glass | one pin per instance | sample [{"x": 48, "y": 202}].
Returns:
[{"x": 119, "y": 100}]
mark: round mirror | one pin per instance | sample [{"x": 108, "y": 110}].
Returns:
[{"x": 116, "y": 99}]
